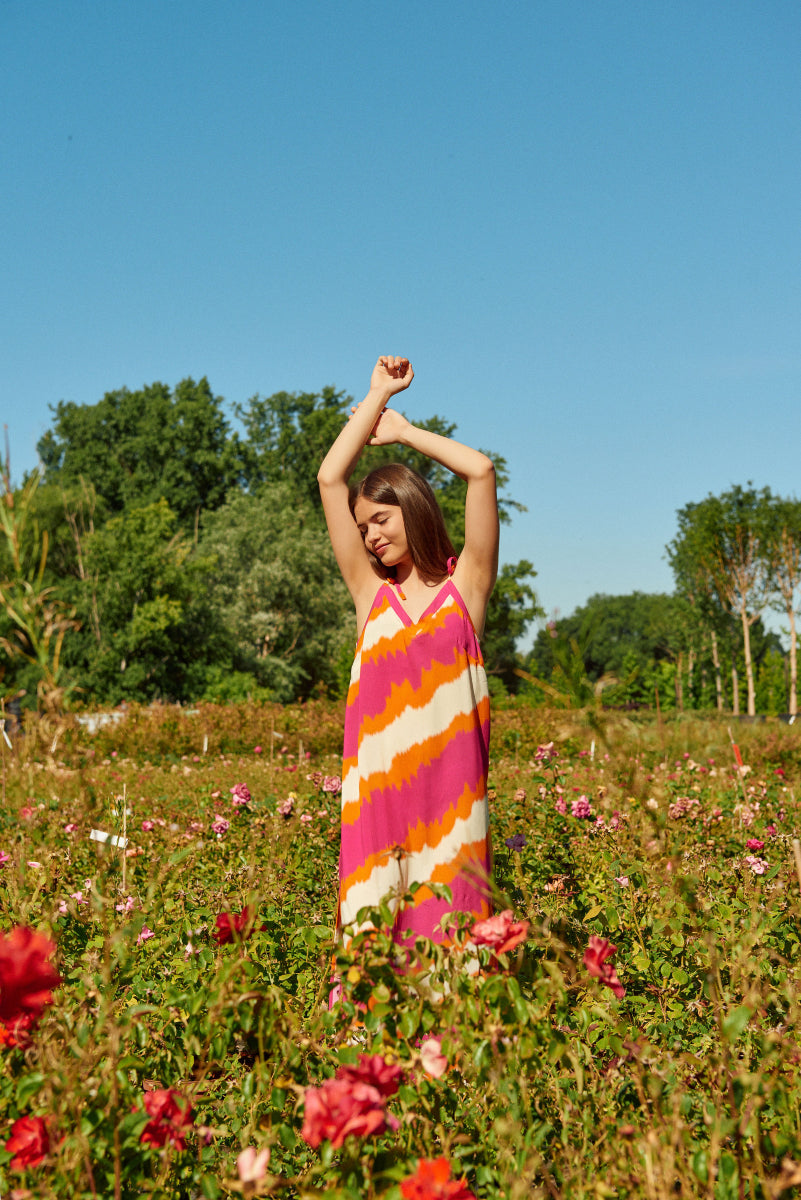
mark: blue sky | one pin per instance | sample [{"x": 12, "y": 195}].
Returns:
[{"x": 579, "y": 220}]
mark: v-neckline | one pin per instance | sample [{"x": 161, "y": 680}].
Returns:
[{"x": 406, "y": 616}]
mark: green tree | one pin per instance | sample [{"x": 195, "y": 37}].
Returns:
[
  {"x": 784, "y": 549},
  {"x": 136, "y": 448},
  {"x": 511, "y": 610},
  {"x": 277, "y": 592},
  {"x": 722, "y": 545},
  {"x": 147, "y": 631}
]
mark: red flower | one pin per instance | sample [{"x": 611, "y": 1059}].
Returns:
[
  {"x": 170, "y": 1118},
  {"x": 343, "y": 1106},
  {"x": 29, "y": 1142},
  {"x": 500, "y": 932},
  {"x": 26, "y": 977},
  {"x": 595, "y": 956},
  {"x": 374, "y": 1070},
  {"x": 432, "y": 1181},
  {"x": 235, "y": 926}
]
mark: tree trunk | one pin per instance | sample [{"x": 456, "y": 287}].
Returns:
[
  {"x": 735, "y": 687},
  {"x": 749, "y": 666},
  {"x": 690, "y": 672},
  {"x": 793, "y": 700},
  {"x": 713, "y": 637},
  {"x": 678, "y": 682}
]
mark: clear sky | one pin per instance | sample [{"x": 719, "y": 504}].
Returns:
[{"x": 579, "y": 220}]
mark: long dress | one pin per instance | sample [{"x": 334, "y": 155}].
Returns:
[{"x": 414, "y": 788}]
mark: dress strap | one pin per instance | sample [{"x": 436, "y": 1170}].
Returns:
[
  {"x": 394, "y": 583},
  {"x": 451, "y": 566}
]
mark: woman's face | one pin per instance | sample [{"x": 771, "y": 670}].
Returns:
[{"x": 383, "y": 530}]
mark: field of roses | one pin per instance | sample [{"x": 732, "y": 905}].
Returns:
[{"x": 627, "y": 1024}]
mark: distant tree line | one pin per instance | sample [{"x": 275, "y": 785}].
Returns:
[
  {"x": 734, "y": 557},
  {"x": 162, "y": 553}
]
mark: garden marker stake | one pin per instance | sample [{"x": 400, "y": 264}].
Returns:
[
  {"x": 797, "y": 857},
  {"x": 738, "y": 758}
]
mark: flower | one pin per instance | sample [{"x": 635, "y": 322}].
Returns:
[
  {"x": 374, "y": 1069},
  {"x": 623, "y": 880},
  {"x": 219, "y": 825},
  {"x": 520, "y": 795},
  {"x": 240, "y": 794},
  {"x": 4, "y": 858},
  {"x": 581, "y": 808},
  {"x": 754, "y": 844},
  {"x": 516, "y": 842},
  {"x": 26, "y": 812},
  {"x": 305, "y": 818},
  {"x": 145, "y": 935},
  {"x": 70, "y": 828},
  {"x": 332, "y": 784},
  {"x": 433, "y": 1061},
  {"x": 233, "y": 926},
  {"x": 758, "y": 865},
  {"x": 284, "y": 809},
  {"x": 344, "y": 1106},
  {"x": 29, "y": 1142},
  {"x": 432, "y": 1181},
  {"x": 251, "y": 1164},
  {"x": 595, "y": 960},
  {"x": 170, "y": 1117},
  {"x": 26, "y": 976},
  {"x": 501, "y": 932},
  {"x": 560, "y": 805},
  {"x": 148, "y": 825},
  {"x": 771, "y": 830},
  {"x": 545, "y": 753}
]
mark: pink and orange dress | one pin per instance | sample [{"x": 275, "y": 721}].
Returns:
[{"x": 414, "y": 778}]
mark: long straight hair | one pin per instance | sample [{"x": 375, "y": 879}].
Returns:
[{"x": 430, "y": 546}]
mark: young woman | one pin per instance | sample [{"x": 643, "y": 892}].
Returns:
[{"x": 414, "y": 788}]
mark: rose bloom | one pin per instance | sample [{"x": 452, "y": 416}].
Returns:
[
  {"x": 501, "y": 932},
  {"x": 170, "y": 1118},
  {"x": 233, "y": 926},
  {"x": 240, "y": 794},
  {"x": 332, "y": 784},
  {"x": 754, "y": 844},
  {"x": 29, "y": 1142},
  {"x": 595, "y": 960},
  {"x": 26, "y": 975},
  {"x": 432, "y": 1181},
  {"x": 340, "y": 1107},
  {"x": 374, "y": 1069},
  {"x": 251, "y": 1164},
  {"x": 433, "y": 1061},
  {"x": 219, "y": 825}
]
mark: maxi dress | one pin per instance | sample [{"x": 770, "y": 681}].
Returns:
[{"x": 414, "y": 777}]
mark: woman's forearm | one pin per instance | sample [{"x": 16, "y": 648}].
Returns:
[
  {"x": 464, "y": 461},
  {"x": 340, "y": 461}
]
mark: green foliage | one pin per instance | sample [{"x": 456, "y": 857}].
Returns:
[
  {"x": 686, "y": 1085},
  {"x": 278, "y": 591},
  {"x": 136, "y": 448}
]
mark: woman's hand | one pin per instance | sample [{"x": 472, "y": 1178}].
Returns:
[
  {"x": 389, "y": 429},
  {"x": 391, "y": 375}
]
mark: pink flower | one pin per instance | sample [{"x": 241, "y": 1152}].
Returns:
[
  {"x": 147, "y": 826},
  {"x": 251, "y": 1164},
  {"x": 126, "y": 906},
  {"x": 559, "y": 805},
  {"x": 332, "y": 784},
  {"x": 257, "y": 750},
  {"x": 284, "y": 809},
  {"x": 754, "y": 844},
  {"x": 170, "y": 1118},
  {"x": 433, "y": 1061},
  {"x": 623, "y": 880},
  {"x": 758, "y": 865},
  {"x": 219, "y": 825},
  {"x": 374, "y": 1069},
  {"x": 771, "y": 830},
  {"x": 581, "y": 808},
  {"x": 340, "y": 1107},
  {"x": 4, "y": 858},
  {"x": 595, "y": 960},
  {"x": 544, "y": 754},
  {"x": 501, "y": 932},
  {"x": 27, "y": 976},
  {"x": 145, "y": 935},
  {"x": 70, "y": 828},
  {"x": 305, "y": 818},
  {"x": 241, "y": 795},
  {"x": 26, "y": 812}
]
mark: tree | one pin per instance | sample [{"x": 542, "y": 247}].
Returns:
[
  {"x": 722, "y": 546},
  {"x": 277, "y": 591},
  {"x": 784, "y": 551},
  {"x": 511, "y": 610},
  {"x": 140, "y": 447},
  {"x": 146, "y": 627}
]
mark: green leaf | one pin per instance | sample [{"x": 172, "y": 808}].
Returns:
[{"x": 736, "y": 1021}]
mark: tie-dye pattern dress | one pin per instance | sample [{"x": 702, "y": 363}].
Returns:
[{"x": 414, "y": 778}]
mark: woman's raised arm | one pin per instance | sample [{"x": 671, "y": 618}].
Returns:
[{"x": 390, "y": 376}]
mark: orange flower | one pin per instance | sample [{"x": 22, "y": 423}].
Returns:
[{"x": 432, "y": 1181}]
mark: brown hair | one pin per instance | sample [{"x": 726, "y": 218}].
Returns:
[{"x": 429, "y": 544}]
